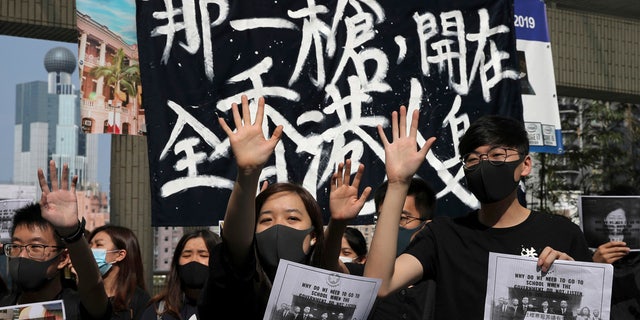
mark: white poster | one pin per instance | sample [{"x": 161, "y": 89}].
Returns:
[
  {"x": 537, "y": 80},
  {"x": 50, "y": 310},
  {"x": 610, "y": 218},
  {"x": 322, "y": 294},
  {"x": 568, "y": 290}
]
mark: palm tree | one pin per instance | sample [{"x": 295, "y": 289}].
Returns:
[{"x": 125, "y": 78}]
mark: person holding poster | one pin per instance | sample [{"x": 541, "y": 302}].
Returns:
[
  {"x": 455, "y": 251},
  {"x": 625, "y": 297},
  {"x": 283, "y": 221}
]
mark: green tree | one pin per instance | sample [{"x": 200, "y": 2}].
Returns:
[
  {"x": 124, "y": 77},
  {"x": 601, "y": 143}
]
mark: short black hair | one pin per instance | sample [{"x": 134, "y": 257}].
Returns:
[
  {"x": 495, "y": 130},
  {"x": 418, "y": 188},
  {"x": 31, "y": 217}
]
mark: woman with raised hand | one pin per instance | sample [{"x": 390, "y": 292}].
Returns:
[{"x": 283, "y": 221}]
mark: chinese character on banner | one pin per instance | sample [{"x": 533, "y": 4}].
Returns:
[{"x": 330, "y": 72}]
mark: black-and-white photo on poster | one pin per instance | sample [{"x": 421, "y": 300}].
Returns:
[
  {"x": 610, "y": 218},
  {"x": 304, "y": 292},
  {"x": 518, "y": 289}
]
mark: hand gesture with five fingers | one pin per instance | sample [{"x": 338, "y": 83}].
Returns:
[
  {"x": 344, "y": 202},
  {"x": 402, "y": 157},
  {"x": 59, "y": 204},
  {"x": 249, "y": 145}
]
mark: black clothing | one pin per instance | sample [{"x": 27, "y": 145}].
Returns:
[
  {"x": 412, "y": 303},
  {"x": 355, "y": 268},
  {"x": 228, "y": 284},
  {"x": 455, "y": 252},
  {"x": 138, "y": 304},
  {"x": 625, "y": 295},
  {"x": 189, "y": 309}
]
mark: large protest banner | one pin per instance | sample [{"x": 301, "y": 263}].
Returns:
[{"x": 330, "y": 72}]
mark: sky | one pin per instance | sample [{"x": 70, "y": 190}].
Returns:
[
  {"x": 117, "y": 15},
  {"x": 22, "y": 60}
]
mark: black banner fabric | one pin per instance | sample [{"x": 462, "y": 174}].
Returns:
[{"x": 330, "y": 72}]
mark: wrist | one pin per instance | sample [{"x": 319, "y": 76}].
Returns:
[{"x": 75, "y": 235}]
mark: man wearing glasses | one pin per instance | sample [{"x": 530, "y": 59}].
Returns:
[
  {"x": 43, "y": 238},
  {"x": 455, "y": 251},
  {"x": 415, "y": 301}
]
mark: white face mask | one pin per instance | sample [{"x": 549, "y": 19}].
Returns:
[{"x": 346, "y": 259}]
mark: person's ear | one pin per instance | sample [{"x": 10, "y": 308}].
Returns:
[
  {"x": 313, "y": 241},
  {"x": 120, "y": 255},
  {"x": 527, "y": 163},
  {"x": 63, "y": 259}
]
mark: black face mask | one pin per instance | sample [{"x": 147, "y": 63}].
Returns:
[
  {"x": 29, "y": 275},
  {"x": 491, "y": 183},
  {"x": 280, "y": 242},
  {"x": 193, "y": 275}
]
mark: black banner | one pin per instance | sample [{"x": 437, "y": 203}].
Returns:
[{"x": 330, "y": 72}]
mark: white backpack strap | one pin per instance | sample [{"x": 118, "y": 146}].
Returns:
[{"x": 160, "y": 309}]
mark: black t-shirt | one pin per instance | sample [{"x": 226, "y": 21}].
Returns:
[
  {"x": 625, "y": 296},
  {"x": 189, "y": 311},
  {"x": 227, "y": 285},
  {"x": 412, "y": 303},
  {"x": 455, "y": 252},
  {"x": 138, "y": 304}
]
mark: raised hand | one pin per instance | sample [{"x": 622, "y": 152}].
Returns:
[
  {"x": 402, "y": 157},
  {"x": 59, "y": 204},
  {"x": 344, "y": 202},
  {"x": 249, "y": 145}
]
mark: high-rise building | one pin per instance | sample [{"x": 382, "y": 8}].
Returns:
[{"x": 48, "y": 124}]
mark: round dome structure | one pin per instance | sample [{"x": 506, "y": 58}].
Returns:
[{"x": 60, "y": 59}]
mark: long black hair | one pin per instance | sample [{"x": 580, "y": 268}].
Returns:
[{"x": 172, "y": 293}]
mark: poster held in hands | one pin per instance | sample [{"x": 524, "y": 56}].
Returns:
[
  {"x": 323, "y": 291},
  {"x": 610, "y": 218},
  {"x": 576, "y": 285}
]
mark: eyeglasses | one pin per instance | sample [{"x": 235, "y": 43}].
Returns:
[
  {"x": 404, "y": 220},
  {"x": 497, "y": 156},
  {"x": 35, "y": 251}
]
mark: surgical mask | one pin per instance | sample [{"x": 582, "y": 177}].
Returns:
[
  {"x": 193, "y": 275},
  {"x": 491, "y": 183},
  {"x": 29, "y": 275},
  {"x": 346, "y": 259},
  {"x": 280, "y": 242},
  {"x": 404, "y": 238},
  {"x": 100, "y": 255}
]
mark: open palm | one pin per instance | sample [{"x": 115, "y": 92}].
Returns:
[
  {"x": 59, "y": 204},
  {"x": 250, "y": 147},
  {"x": 402, "y": 155},
  {"x": 344, "y": 202}
]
